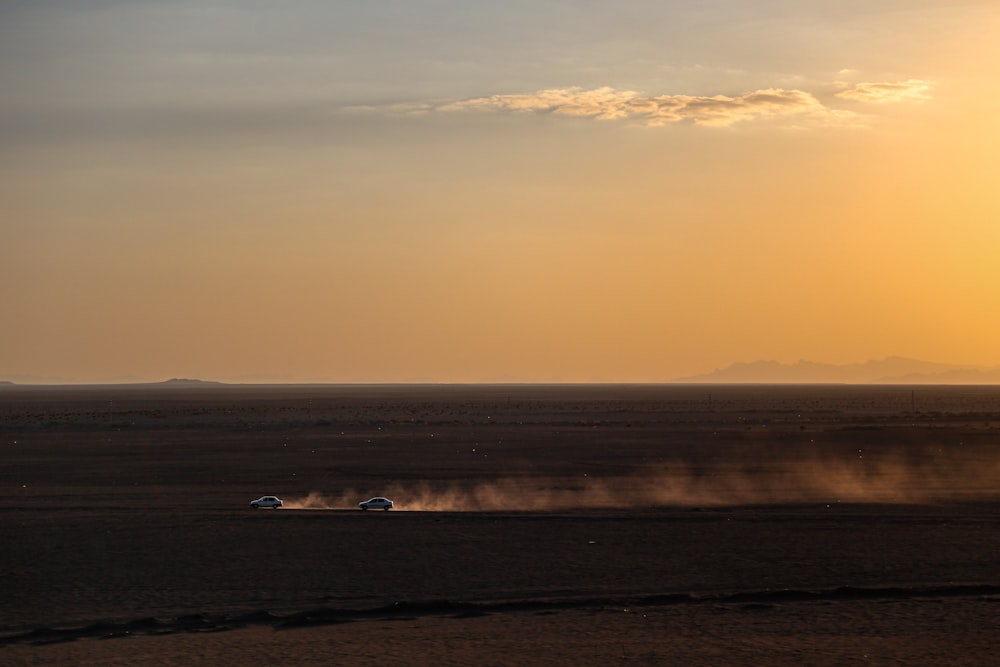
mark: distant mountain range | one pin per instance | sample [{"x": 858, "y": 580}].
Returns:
[
  {"x": 179, "y": 383},
  {"x": 891, "y": 370},
  {"x": 188, "y": 382}
]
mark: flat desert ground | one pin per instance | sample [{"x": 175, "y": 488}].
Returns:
[{"x": 534, "y": 525}]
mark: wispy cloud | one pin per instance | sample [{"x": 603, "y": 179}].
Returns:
[
  {"x": 610, "y": 104},
  {"x": 711, "y": 111},
  {"x": 722, "y": 111},
  {"x": 912, "y": 90},
  {"x": 606, "y": 103}
]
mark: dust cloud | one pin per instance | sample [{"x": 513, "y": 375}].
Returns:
[
  {"x": 317, "y": 501},
  {"x": 885, "y": 479}
]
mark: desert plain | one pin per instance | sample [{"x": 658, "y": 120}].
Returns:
[{"x": 534, "y": 525}]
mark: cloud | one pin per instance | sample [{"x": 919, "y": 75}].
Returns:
[
  {"x": 912, "y": 90},
  {"x": 610, "y": 104},
  {"x": 396, "y": 109},
  {"x": 722, "y": 111},
  {"x": 605, "y": 103}
]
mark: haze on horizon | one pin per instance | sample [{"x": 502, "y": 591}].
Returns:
[{"x": 445, "y": 191}]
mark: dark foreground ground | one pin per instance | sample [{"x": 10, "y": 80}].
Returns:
[{"x": 534, "y": 525}]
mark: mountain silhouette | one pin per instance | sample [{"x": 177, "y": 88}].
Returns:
[{"x": 891, "y": 370}]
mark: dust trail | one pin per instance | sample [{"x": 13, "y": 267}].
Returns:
[
  {"x": 320, "y": 501},
  {"x": 888, "y": 478}
]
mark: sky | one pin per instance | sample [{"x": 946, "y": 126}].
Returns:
[{"x": 482, "y": 191}]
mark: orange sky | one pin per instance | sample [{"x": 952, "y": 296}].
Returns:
[{"x": 443, "y": 191}]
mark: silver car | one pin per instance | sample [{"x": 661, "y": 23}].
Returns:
[
  {"x": 266, "y": 501},
  {"x": 377, "y": 503}
]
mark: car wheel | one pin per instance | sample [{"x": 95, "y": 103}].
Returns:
[
  {"x": 386, "y": 509},
  {"x": 364, "y": 509}
]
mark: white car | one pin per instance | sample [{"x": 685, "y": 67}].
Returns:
[
  {"x": 376, "y": 504},
  {"x": 266, "y": 501}
]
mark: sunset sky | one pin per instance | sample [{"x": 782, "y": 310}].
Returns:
[{"x": 473, "y": 190}]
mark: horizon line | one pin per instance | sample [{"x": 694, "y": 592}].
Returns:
[{"x": 208, "y": 384}]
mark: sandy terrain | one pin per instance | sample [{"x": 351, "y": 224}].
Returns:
[{"x": 534, "y": 525}]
